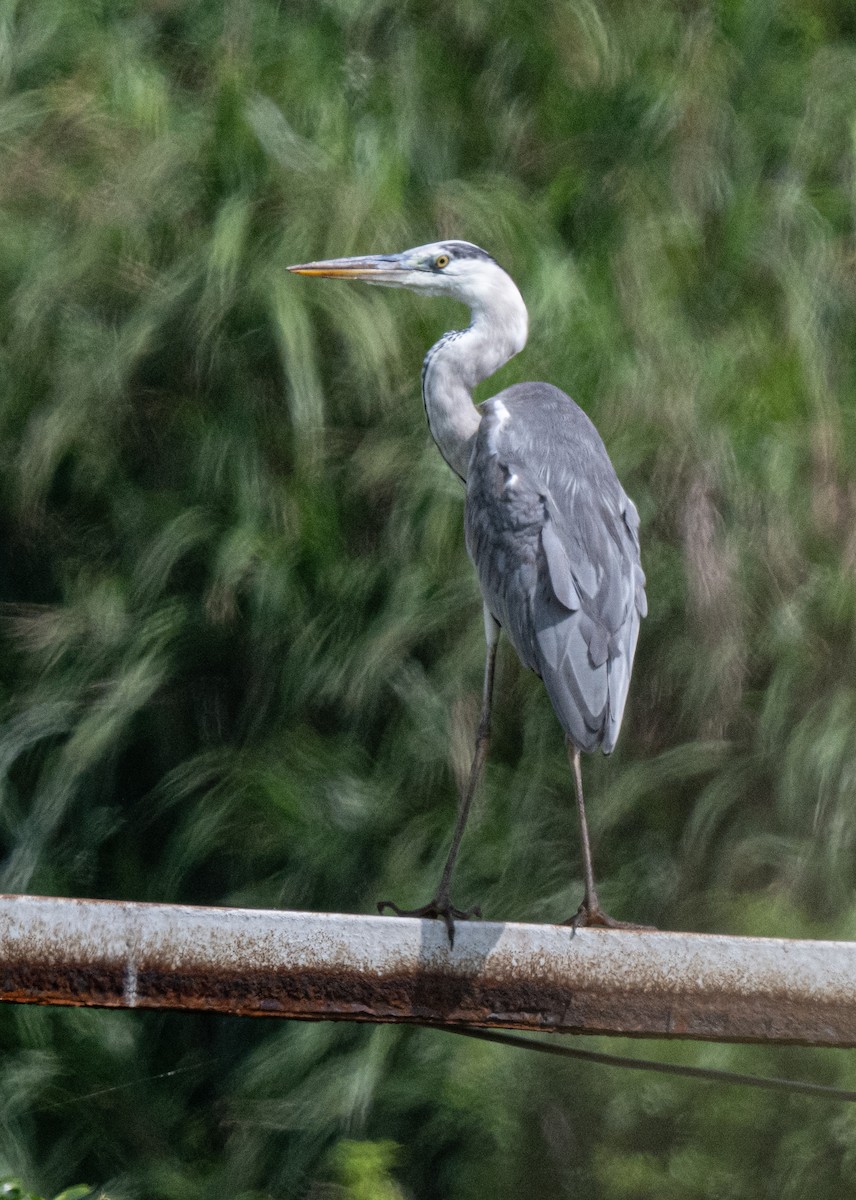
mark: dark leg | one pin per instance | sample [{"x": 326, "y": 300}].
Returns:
[
  {"x": 440, "y": 907},
  {"x": 589, "y": 912}
]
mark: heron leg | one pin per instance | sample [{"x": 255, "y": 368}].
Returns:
[
  {"x": 440, "y": 907},
  {"x": 589, "y": 912}
]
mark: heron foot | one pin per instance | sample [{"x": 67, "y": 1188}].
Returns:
[
  {"x": 438, "y": 909},
  {"x": 596, "y": 918}
]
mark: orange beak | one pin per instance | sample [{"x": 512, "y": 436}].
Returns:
[{"x": 371, "y": 268}]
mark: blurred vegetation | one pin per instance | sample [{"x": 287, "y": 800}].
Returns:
[
  {"x": 12, "y": 1189},
  {"x": 241, "y": 640}
]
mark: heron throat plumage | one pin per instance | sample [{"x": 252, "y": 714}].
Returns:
[{"x": 461, "y": 359}]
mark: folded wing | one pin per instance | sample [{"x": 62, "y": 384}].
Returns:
[{"x": 555, "y": 542}]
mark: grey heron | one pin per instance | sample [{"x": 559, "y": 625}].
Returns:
[{"x": 552, "y": 534}]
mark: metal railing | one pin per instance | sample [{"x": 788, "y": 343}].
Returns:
[{"x": 321, "y": 966}]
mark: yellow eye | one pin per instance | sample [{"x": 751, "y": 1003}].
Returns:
[{"x": 442, "y": 260}]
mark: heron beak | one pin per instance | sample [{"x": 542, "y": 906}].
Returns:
[{"x": 372, "y": 268}]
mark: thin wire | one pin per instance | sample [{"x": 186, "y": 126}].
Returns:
[
  {"x": 121, "y": 1087},
  {"x": 820, "y": 1090}
]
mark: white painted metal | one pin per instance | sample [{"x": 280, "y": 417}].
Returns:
[{"x": 525, "y": 976}]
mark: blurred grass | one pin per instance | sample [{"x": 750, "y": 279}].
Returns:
[{"x": 241, "y": 637}]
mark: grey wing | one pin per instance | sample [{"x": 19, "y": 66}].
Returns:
[{"x": 555, "y": 542}]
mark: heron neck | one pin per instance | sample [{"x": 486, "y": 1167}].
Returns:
[{"x": 459, "y": 362}]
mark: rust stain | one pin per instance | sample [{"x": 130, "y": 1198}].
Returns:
[{"x": 435, "y": 997}]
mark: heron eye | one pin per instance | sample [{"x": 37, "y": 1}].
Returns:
[{"x": 442, "y": 260}]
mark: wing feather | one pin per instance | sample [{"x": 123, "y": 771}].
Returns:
[{"x": 558, "y": 565}]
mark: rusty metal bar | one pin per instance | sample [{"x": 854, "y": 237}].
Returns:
[{"x": 322, "y": 966}]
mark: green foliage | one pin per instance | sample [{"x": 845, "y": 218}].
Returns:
[
  {"x": 241, "y": 638},
  {"x": 363, "y": 1169},
  {"x": 13, "y": 1189}
]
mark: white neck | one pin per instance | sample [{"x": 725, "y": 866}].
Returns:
[{"x": 462, "y": 359}]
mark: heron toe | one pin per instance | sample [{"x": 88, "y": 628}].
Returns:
[
  {"x": 438, "y": 909},
  {"x": 593, "y": 917}
]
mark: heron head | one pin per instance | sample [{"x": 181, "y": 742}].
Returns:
[{"x": 457, "y": 269}]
